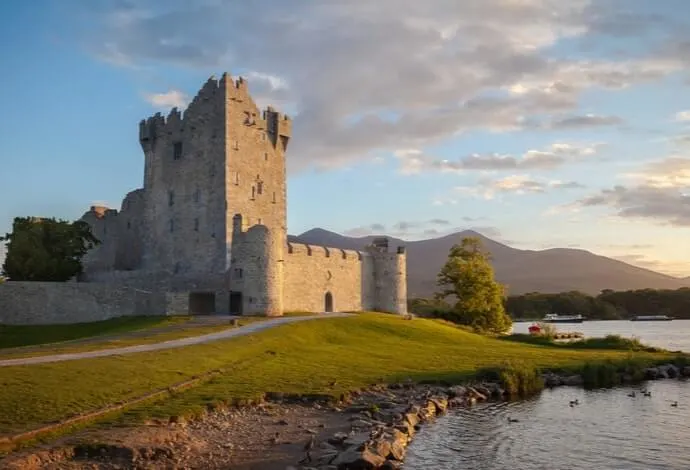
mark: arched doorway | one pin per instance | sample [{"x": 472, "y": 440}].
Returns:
[{"x": 328, "y": 302}]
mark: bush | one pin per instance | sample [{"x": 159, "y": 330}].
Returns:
[
  {"x": 517, "y": 379},
  {"x": 614, "y": 342}
]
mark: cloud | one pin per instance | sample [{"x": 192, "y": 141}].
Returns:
[
  {"x": 169, "y": 99},
  {"x": 378, "y": 76},
  {"x": 403, "y": 228},
  {"x": 514, "y": 184},
  {"x": 682, "y": 116},
  {"x": 365, "y": 230},
  {"x": 644, "y": 261},
  {"x": 585, "y": 121},
  {"x": 662, "y": 204},
  {"x": 671, "y": 172},
  {"x": 413, "y": 161}
]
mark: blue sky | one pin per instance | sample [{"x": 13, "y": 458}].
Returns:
[{"x": 539, "y": 123}]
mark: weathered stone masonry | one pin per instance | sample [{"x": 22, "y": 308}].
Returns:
[{"x": 210, "y": 221}]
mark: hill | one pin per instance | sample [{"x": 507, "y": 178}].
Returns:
[{"x": 552, "y": 270}]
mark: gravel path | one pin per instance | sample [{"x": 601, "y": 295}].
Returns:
[{"x": 175, "y": 343}]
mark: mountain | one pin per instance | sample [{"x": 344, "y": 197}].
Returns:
[{"x": 552, "y": 270}]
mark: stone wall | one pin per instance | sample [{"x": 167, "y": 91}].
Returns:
[
  {"x": 45, "y": 303},
  {"x": 311, "y": 272}
]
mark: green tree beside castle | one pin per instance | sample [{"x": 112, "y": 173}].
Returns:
[
  {"x": 468, "y": 279},
  {"x": 47, "y": 249}
]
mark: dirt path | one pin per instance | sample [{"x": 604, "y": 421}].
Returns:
[{"x": 175, "y": 343}]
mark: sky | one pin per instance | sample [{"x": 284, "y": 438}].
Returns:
[{"x": 539, "y": 123}]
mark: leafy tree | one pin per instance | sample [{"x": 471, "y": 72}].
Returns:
[
  {"x": 46, "y": 249},
  {"x": 468, "y": 277}
]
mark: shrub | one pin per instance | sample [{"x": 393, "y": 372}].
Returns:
[{"x": 517, "y": 379}]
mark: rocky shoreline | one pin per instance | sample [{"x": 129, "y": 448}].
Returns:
[{"x": 368, "y": 429}]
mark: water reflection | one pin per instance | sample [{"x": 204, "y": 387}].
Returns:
[{"x": 607, "y": 430}]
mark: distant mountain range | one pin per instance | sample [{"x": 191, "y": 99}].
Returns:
[{"x": 549, "y": 271}]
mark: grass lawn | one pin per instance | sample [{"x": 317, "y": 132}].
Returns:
[
  {"x": 12, "y": 336},
  {"x": 297, "y": 358},
  {"x": 155, "y": 335}
]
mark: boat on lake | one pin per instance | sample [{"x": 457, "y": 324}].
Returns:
[
  {"x": 651, "y": 318},
  {"x": 557, "y": 318}
]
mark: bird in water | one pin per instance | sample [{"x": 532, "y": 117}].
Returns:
[
  {"x": 674, "y": 404},
  {"x": 513, "y": 420},
  {"x": 631, "y": 394},
  {"x": 574, "y": 402},
  {"x": 647, "y": 394}
]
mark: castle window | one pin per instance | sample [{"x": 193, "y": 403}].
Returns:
[
  {"x": 177, "y": 150},
  {"x": 171, "y": 225},
  {"x": 197, "y": 195},
  {"x": 266, "y": 156},
  {"x": 259, "y": 187},
  {"x": 196, "y": 225},
  {"x": 129, "y": 225},
  {"x": 235, "y": 145},
  {"x": 238, "y": 273},
  {"x": 274, "y": 197},
  {"x": 237, "y": 178},
  {"x": 171, "y": 198},
  {"x": 253, "y": 192}
]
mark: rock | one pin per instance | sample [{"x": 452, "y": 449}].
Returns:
[
  {"x": 651, "y": 373},
  {"x": 382, "y": 447},
  {"x": 474, "y": 393},
  {"x": 357, "y": 441},
  {"x": 352, "y": 459},
  {"x": 456, "y": 402},
  {"x": 457, "y": 391},
  {"x": 428, "y": 411},
  {"x": 441, "y": 404},
  {"x": 573, "y": 380},
  {"x": 391, "y": 465},
  {"x": 412, "y": 419},
  {"x": 483, "y": 390},
  {"x": 552, "y": 380},
  {"x": 685, "y": 371},
  {"x": 671, "y": 371}
]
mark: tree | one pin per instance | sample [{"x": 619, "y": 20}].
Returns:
[
  {"x": 469, "y": 277},
  {"x": 46, "y": 249}
]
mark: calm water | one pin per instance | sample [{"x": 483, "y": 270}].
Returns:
[
  {"x": 608, "y": 430},
  {"x": 672, "y": 335}
]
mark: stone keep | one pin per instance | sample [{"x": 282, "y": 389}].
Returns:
[{"x": 210, "y": 220}]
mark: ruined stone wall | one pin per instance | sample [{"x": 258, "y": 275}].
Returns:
[
  {"x": 313, "y": 271},
  {"x": 131, "y": 230},
  {"x": 184, "y": 181},
  {"x": 105, "y": 226},
  {"x": 45, "y": 303}
]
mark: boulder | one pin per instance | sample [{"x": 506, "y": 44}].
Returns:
[
  {"x": 457, "y": 391},
  {"x": 474, "y": 393},
  {"x": 573, "y": 380},
  {"x": 685, "y": 371},
  {"x": 651, "y": 373},
  {"x": 412, "y": 419},
  {"x": 352, "y": 459},
  {"x": 391, "y": 465},
  {"x": 441, "y": 404}
]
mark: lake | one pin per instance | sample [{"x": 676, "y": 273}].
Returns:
[
  {"x": 672, "y": 335},
  {"x": 607, "y": 430}
]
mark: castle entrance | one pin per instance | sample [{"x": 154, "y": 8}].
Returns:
[
  {"x": 329, "y": 302},
  {"x": 202, "y": 303},
  {"x": 235, "y": 303}
]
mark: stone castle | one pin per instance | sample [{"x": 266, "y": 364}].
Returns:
[{"x": 209, "y": 223}]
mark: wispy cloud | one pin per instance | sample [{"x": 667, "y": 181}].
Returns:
[{"x": 167, "y": 100}]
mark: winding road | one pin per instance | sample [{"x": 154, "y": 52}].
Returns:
[{"x": 175, "y": 343}]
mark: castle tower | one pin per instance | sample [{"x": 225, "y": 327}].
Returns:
[
  {"x": 390, "y": 277},
  {"x": 222, "y": 157}
]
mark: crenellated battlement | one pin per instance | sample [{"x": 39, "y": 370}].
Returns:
[
  {"x": 217, "y": 94},
  {"x": 324, "y": 251}
]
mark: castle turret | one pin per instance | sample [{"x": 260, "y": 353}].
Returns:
[
  {"x": 257, "y": 268},
  {"x": 390, "y": 277}
]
